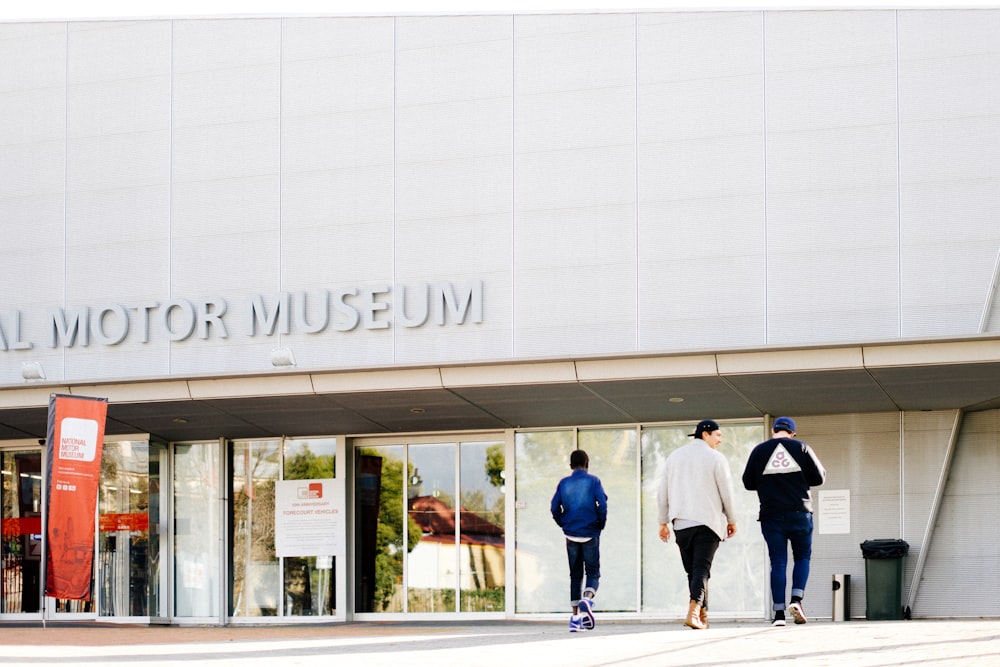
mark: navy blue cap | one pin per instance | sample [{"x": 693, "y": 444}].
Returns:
[{"x": 784, "y": 424}]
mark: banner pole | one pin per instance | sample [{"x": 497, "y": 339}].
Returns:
[{"x": 44, "y": 536}]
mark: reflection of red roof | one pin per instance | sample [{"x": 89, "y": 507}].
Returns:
[{"x": 437, "y": 522}]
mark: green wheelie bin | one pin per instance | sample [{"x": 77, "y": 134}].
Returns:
[{"x": 884, "y": 578}]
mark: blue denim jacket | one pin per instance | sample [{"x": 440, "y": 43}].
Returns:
[{"x": 580, "y": 505}]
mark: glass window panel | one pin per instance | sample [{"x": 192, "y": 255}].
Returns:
[
  {"x": 613, "y": 458},
  {"x": 309, "y": 581},
  {"x": 256, "y": 467},
  {"x": 312, "y": 458},
  {"x": 737, "y": 584},
  {"x": 541, "y": 571},
  {"x": 197, "y": 526},
  {"x": 433, "y": 561},
  {"x": 482, "y": 579},
  {"x": 123, "y": 523},
  {"x": 20, "y": 567},
  {"x": 380, "y": 537},
  {"x": 157, "y": 601}
]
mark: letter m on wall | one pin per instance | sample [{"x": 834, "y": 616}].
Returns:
[
  {"x": 458, "y": 301},
  {"x": 66, "y": 326}
]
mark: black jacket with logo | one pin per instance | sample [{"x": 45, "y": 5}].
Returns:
[{"x": 781, "y": 470}]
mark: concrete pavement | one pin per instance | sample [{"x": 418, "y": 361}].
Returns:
[{"x": 512, "y": 644}]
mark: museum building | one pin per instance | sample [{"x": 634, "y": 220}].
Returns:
[{"x": 355, "y": 287}]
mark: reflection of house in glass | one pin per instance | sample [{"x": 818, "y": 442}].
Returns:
[{"x": 479, "y": 552}]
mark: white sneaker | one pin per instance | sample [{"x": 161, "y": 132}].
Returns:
[
  {"x": 778, "y": 623},
  {"x": 587, "y": 613},
  {"x": 796, "y": 611}
]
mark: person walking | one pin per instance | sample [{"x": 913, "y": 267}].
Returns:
[
  {"x": 781, "y": 470},
  {"x": 695, "y": 497},
  {"x": 580, "y": 507}
]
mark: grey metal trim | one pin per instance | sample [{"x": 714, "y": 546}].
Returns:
[{"x": 984, "y": 319}]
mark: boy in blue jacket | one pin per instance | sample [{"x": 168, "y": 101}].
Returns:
[{"x": 580, "y": 508}]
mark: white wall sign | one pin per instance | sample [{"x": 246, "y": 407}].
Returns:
[
  {"x": 835, "y": 512},
  {"x": 306, "y": 518},
  {"x": 333, "y": 309}
]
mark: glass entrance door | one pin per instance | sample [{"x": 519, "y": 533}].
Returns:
[
  {"x": 126, "y": 578},
  {"x": 429, "y": 527},
  {"x": 128, "y": 562},
  {"x": 125, "y": 582},
  {"x": 21, "y": 550},
  {"x": 267, "y": 581}
]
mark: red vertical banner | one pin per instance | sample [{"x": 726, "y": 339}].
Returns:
[{"x": 73, "y": 461}]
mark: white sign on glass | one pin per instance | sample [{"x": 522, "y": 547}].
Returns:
[{"x": 306, "y": 518}]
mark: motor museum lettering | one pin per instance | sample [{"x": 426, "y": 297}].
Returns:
[{"x": 313, "y": 312}]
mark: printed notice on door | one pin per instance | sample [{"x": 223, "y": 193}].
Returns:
[
  {"x": 835, "y": 512},
  {"x": 306, "y": 518}
]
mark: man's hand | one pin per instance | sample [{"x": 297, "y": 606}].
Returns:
[
  {"x": 730, "y": 529},
  {"x": 664, "y": 532}
]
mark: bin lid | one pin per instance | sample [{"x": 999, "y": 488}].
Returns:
[{"x": 883, "y": 549}]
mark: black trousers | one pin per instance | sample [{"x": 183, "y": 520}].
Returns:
[{"x": 698, "y": 546}]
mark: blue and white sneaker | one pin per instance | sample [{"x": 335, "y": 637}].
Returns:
[
  {"x": 587, "y": 613},
  {"x": 575, "y": 623}
]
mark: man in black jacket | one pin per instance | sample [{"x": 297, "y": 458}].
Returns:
[{"x": 781, "y": 470}]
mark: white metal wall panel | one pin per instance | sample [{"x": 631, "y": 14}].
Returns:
[
  {"x": 949, "y": 63},
  {"x": 831, "y": 175},
  {"x": 574, "y": 184},
  {"x": 574, "y": 163},
  {"x": 454, "y": 179},
  {"x": 118, "y": 185},
  {"x": 337, "y": 174},
  {"x": 701, "y": 179},
  {"x": 32, "y": 184},
  {"x": 963, "y": 563},
  {"x": 225, "y": 196},
  {"x": 861, "y": 453}
]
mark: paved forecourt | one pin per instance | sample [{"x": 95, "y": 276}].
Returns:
[{"x": 511, "y": 644}]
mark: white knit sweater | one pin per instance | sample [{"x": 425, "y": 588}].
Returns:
[{"x": 697, "y": 486}]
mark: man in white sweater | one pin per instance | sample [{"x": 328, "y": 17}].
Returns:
[{"x": 696, "y": 498}]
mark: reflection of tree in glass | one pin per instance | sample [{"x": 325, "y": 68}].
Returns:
[
  {"x": 389, "y": 536},
  {"x": 306, "y": 465},
  {"x": 255, "y": 469},
  {"x": 495, "y": 465},
  {"x": 476, "y": 500},
  {"x": 482, "y": 524}
]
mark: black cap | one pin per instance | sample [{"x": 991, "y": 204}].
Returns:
[{"x": 704, "y": 426}]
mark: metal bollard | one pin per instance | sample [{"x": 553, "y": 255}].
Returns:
[{"x": 841, "y": 597}]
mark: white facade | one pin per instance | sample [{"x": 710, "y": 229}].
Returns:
[
  {"x": 179, "y": 198},
  {"x": 619, "y": 183}
]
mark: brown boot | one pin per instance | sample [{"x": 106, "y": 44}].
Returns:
[
  {"x": 693, "y": 619},
  {"x": 703, "y": 615}
]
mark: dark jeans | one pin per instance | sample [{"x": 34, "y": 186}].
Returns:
[
  {"x": 779, "y": 531},
  {"x": 698, "y": 545},
  {"x": 584, "y": 559}
]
